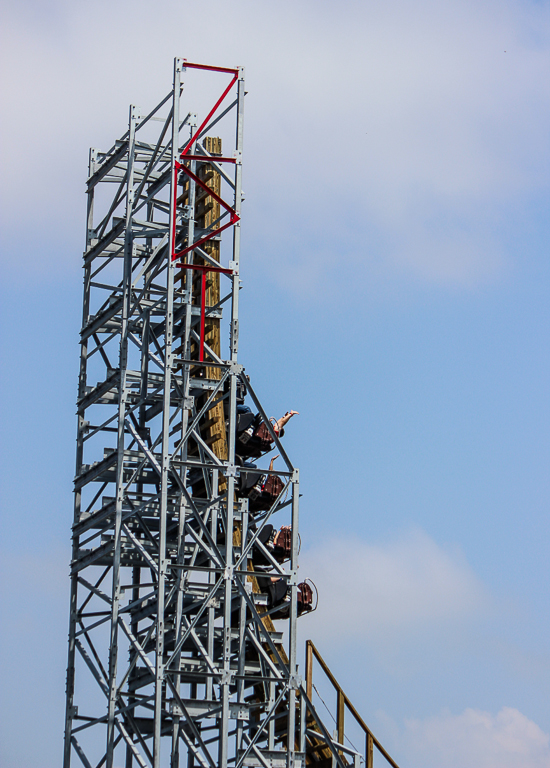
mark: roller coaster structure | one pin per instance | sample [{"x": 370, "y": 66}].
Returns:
[{"x": 173, "y": 649}]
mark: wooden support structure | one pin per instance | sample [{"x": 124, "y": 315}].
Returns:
[
  {"x": 369, "y": 760},
  {"x": 207, "y": 211},
  {"x": 340, "y": 711}
]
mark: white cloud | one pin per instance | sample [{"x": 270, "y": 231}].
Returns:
[
  {"x": 371, "y": 592},
  {"x": 391, "y": 132},
  {"x": 475, "y": 738}
]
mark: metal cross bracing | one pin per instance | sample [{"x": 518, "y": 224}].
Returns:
[
  {"x": 178, "y": 573},
  {"x": 172, "y": 645}
]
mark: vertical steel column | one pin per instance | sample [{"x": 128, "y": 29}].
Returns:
[
  {"x": 187, "y": 283},
  {"x": 188, "y": 280},
  {"x": 237, "y": 227},
  {"x": 81, "y": 427},
  {"x": 123, "y": 393},
  {"x": 228, "y": 582},
  {"x": 234, "y": 342},
  {"x": 142, "y": 422},
  {"x": 166, "y": 455},
  {"x": 292, "y": 669},
  {"x": 241, "y": 657}
]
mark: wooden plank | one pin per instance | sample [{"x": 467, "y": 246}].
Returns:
[
  {"x": 369, "y": 757},
  {"x": 206, "y": 213}
]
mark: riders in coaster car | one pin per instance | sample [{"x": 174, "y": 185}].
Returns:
[
  {"x": 277, "y": 543},
  {"x": 278, "y": 596},
  {"x": 253, "y": 435},
  {"x": 261, "y": 490}
]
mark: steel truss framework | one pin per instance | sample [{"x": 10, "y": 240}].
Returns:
[{"x": 171, "y": 646}]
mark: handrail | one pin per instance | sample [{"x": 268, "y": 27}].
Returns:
[{"x": 342, "y": 703}]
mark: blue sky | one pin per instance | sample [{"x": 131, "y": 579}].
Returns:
[{"x": 396, "y": 281}]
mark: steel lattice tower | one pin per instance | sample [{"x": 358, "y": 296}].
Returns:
[{"x": 172, "y": 648}]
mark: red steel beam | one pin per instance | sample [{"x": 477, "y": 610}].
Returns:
[
  {"x": 233, "y": 215},
  {"x": 230, "y": 70},
  {"x": 206, "y": 188},
  {"x": 209, "y": 115},
  {"x": 203, "y": 269}
]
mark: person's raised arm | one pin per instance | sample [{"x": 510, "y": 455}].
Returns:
[{"x": 280, "y": 423}]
